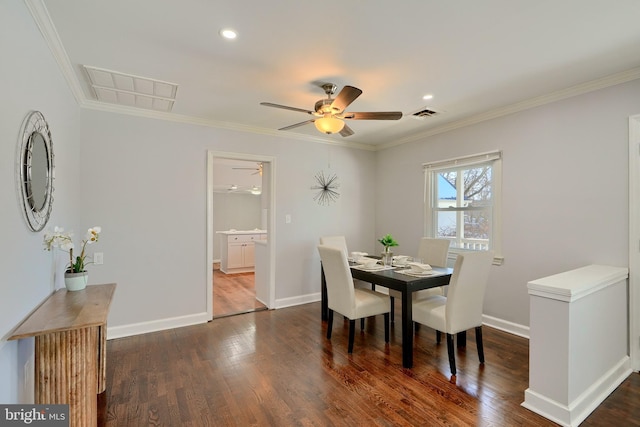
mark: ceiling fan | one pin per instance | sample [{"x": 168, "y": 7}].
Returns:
[
  {"x": 258, "y": 170},
  {"x": 330, "y": 113}
]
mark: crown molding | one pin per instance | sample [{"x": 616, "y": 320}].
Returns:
[
  {"x": 191, "y": 120},
  {"x": 42, "y": 19},
  {"x": 582, "y": 88}
]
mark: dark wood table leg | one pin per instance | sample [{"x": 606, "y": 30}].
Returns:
[
  {"x": 324, "y": 307},
  {"x": 407, "y": 330}
]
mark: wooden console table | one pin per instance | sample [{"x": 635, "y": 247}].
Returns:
[{"x": 70, "y": 349}]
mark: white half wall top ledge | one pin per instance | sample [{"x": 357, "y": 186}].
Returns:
[{"x": 575, "y": 284}]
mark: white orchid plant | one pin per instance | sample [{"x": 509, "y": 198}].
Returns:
[{"x": 64, "y": 241}]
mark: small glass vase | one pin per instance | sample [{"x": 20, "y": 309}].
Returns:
[{"x": 387, "y": 258}]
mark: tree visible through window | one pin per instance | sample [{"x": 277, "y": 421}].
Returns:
[
  {"x": 466, "y": 217},
  {"x": 461, "y": 201}
]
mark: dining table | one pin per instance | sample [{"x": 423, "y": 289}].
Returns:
[{"x": 397, "y": 279}]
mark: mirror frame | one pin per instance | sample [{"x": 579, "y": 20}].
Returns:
[{"x": 35, "y": 130}]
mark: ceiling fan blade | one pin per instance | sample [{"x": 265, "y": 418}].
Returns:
[
  {"x": 380, "y": 115},
  {"x": 346, "y": 131},
  {"x": 254, "y": 168},
  {"x": 284, "y": 107},
  {"x": 296, "y": 125},
  {"x": 347, "y": 95}
]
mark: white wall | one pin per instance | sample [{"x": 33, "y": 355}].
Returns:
[
  {"x": 565, "y": 184},
  {"x": 32, "y": 81},
  {"x": 149, "y": 187}
]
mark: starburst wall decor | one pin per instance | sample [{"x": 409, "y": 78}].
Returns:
[{"x": 326, "y": 186}]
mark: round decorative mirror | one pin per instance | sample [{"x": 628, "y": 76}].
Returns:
[{"x": 35, "y": 164}]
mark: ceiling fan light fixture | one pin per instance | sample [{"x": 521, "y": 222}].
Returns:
[{"x": 328, "y": 124}]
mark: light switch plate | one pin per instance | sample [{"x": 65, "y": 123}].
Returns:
[{"x": 98, "y": 258}]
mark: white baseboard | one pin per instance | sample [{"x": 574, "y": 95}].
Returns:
[
  {"x": 578, "y": 410},
  {"x": 194, "y": 319},
  {"x": 299, "y": 300},
  {"x": 155, "y": 325},
  {"x": 506, "y": 326}
]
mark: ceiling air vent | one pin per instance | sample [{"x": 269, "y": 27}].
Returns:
[
  {"x": 134, "y": 91},
  {"x": 425, "y": 112}
]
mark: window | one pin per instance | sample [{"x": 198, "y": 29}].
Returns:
[{"x": 462, "y": 199}]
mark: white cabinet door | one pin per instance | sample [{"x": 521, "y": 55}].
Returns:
[
  {"x": 249, "y": 257},
  {"x": 235, "y": 255}
]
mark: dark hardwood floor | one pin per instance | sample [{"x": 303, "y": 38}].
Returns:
[
  {"x": 234, "y": 294},
  {"x": 276, "y": 368}
]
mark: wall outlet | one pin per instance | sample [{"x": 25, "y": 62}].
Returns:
[
  {"x": 287, "y": 219},
  {"x": 98, "y": 258}
]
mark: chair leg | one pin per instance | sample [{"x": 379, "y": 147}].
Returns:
[
  {"x": 329, "y": 324},
  {"x": 452, "y": 354},
  {"x": 352, "y": 333},
  {"x": 461, "y": 339},
  {"x": 479, "y": 343},
  {"x": 362, "y": 324},
  {"x": 386, "y": 327},
  {"x": 393, "y": 305},
  {"x": 438, "y": 337}
]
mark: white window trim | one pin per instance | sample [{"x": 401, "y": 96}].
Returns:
[{"x": 496, "y": 156}]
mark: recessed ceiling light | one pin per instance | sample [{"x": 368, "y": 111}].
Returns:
[
  {"x": 428, "y": 96},
  {"x": 228, "y": 33}
]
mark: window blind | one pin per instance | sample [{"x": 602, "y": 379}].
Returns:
[{"x": 462, "y": 161}]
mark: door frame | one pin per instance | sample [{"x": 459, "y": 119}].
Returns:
[
  {"x": 634, "y": 241},
  {"x": 269, "y": 183}
]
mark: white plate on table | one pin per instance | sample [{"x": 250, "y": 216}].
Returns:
[
  {"x": 418, "y": 273},
  {"x": 374, "y": 268}
]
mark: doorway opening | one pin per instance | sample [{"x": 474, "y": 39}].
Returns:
[{"x": 240, "y": 233}]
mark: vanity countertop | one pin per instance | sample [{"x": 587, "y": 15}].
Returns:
[{"x": 232, "y": 231}]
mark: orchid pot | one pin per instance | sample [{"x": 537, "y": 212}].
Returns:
[{"x": 76, "y": 281}]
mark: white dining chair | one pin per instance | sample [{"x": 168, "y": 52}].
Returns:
[
  {"x": 344, "y": 298},
  {"x": 336, "y": 242},
  {"x": 461, "y": 309},
  {"x": 434, "y": 252},
  {"x": 341, "y": 242}
]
